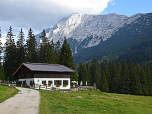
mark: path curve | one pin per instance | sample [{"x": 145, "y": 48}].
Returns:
[{"x": 25, "y": 102}]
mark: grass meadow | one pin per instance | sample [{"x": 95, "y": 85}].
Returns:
[
  {"x": 7, "y": 92},
  {"x": 93, "y": 102}
]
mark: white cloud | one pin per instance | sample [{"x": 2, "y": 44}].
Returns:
[{"x": 43, "y": 14}]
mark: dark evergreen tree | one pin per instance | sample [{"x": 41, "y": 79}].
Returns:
[
  {"x": 66, "y": 58},
  {"x": 1, "y": 45},
  {"x": 10, "y": 56},
  {"x": 144, "y": 82},
  {"x": 82, "y": 74},
  {"x": 114, "y": 81},
  {"x": 20, "y": 55},
  {"x": 105, "y": 68},
  {"x": 88, "y": 73},
  {"x": 148, "y": 72},
  {"x": 124, "y": 79},
  {"x": 131, "y": 68},
  {"x": 31, "y": 49},
  {"x": 46, "y": 50},
  {"x": 136, "y": 88},
  {"x": 1, "y": 68},
  {"x": 57, "y": 49},
  {"x": 53, "y": 57},
  {"x": 118, "y": 75},
  {"x": 104, "y": 84},
  {"x": 96, "y": 72},
  {"x": 112, "y": 77}
]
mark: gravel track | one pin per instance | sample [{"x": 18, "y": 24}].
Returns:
[{"x": 25, "y": 102}]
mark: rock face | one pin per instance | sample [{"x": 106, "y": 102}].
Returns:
[{"x": 85, "y": 30}]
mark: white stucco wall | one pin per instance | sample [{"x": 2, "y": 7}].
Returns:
[
  {"x": 27, "y": 81},
  {"x": 39, "y": 81}
]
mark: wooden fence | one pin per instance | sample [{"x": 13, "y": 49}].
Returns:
[
  {"x": 7, "y": 83},
  {"x": 72, "y": 89}
]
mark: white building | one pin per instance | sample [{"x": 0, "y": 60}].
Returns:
[{"x": 53, "y": 75}]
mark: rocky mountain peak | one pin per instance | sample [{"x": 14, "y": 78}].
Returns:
[{"x": 88, "y": 30}]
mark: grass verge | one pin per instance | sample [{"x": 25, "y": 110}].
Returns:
[
  {"x": 7, "y": 92},
  {"x": 93, "y": 101}
]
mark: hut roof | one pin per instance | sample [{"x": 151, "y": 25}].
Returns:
[{"x": 46, "y": 67}]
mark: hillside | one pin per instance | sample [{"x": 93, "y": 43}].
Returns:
[
  {"x": 141, "y": 53},
  {"x": 87, "y": 30},
  {"x": 94, "y": 101},
  {"x": 131, "y": 34}
]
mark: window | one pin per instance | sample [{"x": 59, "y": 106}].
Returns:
[
  {"x": 44, "y": 82},
  {"x": 65, "y": 83},
  {"x": 58, "y": 83},
  {"x": 50, "y": 82}
]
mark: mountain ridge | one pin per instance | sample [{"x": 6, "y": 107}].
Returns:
[{"x": 79, "y": 28}]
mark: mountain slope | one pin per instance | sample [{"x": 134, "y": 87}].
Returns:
[
  {"x": 85, "y": 30},
  {"x": 138, "y": 31},
  {"x": 141, "y": 53}
]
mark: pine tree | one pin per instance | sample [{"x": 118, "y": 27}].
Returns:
[
  {"x": 88, "y": 73},
  {"x": 57, "y": 49},
  {"x": 104, "y": 84},
  {"x": 124, "y": 79},
  {"x": 105, "y": 68},
  {"x": 46, "y": 50},
  {"x": 136, "y": 86},
  {"x": 149, "y": 77},
  {"x": 144, "y": 82},
  {"x": 1, "y": 68},
  {"x": 1, "y": 45},
  {"x": 96, "y": 72},
  {"x": 53, "y": 57},
  {"x": 118, "y": 75},
  {"x": 66, "y": 58},
  {"x": 112, "y": 77},
  {"x": 20, "y": 56},
  {"x": 10, "y": 56},
  {"x": 31, "y": 49},
  {"x": 131, "y": 68},
  {"x": 114, "y": 80},
  {"x": 82, "y": 74}
]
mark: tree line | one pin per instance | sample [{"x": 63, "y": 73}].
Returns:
[
  {"x": 16, "y": 53},
  {"x": 117, "y": 77}
]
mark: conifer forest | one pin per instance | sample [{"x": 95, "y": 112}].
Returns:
[
  {"x": 16, "y": 53},
  {"x": 114, "y": 76}
]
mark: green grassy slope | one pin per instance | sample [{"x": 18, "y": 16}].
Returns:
[
  {"x": 93, "y": 102},
  {"x": 7, "y": 92}
]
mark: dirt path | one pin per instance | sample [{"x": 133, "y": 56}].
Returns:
[{"x": 26, "y": 102}]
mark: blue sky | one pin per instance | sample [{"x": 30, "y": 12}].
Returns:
[
  {"x": 129, "y": 7},
  {"x": 43, "y": 14}
]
